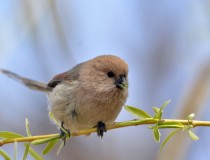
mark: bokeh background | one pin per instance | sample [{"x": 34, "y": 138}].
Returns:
[{"x": 166, "y": 44}]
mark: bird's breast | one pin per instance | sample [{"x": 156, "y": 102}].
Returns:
[
  {"x": 83, "y": 109},
  {"x": 103, "y": 107}
]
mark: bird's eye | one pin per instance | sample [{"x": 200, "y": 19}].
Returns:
[{"x": 110, "y": 74}]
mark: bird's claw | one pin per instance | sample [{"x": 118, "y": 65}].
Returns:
[
  {"x": 101, "y": 128},
  {"x": 63, "y": 133}
]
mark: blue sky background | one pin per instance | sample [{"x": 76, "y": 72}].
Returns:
[{"x": 165, "y": 43}]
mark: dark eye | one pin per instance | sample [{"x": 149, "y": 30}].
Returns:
[{"x": 110, "y": 74}]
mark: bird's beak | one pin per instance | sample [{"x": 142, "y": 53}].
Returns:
[{"x": 121, "y": 83}]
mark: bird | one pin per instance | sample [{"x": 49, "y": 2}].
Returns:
[{"x": 89, "y": 95}]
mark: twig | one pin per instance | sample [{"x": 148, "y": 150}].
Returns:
[{"x": 193, "y": 123}]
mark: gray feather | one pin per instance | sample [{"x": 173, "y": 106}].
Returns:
[{"x": 35, "y": 85}]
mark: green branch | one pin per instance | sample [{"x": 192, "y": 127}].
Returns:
[
  {"x": 155, "y": 123},
  {"x": 164, "y": 123}
]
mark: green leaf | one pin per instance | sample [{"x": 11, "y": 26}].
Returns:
[
  {"x": 156, "y": 134},
  {"x": 50, "y": 146},
  {"x": 53, "y": 118},
  {"x": 169, "y": 137},
  {"x": 60, "y": 147},
  {"x": 58, "y": 124},
  {"x": 5, "y": 155},
  {"x": 27, "y": 146},
  {"x": 171, "y": 125},
  {"x": 45, "y": 140},
  {"x": 156, "y": 109},
  {"x": 9, "y": 135},
  {"x": 165, "y": 104},
  {"x": 139, "y": 121},
  {"x": 33, "y": 153},
  {"x": 158, "y": 115},
  {"x": 191, "y": 116},
  {"x": 27, "y": 127},
  {"x": 193, "y": 136},
  {"x": 137, "y": 112}
]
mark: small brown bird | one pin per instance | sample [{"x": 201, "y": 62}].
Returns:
[{"x": 89, "y": 95}]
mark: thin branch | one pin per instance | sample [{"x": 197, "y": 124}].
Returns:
[{"x": 193, "y": 123}]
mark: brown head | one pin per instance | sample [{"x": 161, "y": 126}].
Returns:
[{"x": 105, "y": 73}]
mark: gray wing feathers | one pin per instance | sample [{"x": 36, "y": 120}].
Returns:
[{"x": 70, "y": 75}]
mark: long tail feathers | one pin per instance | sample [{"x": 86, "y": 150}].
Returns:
[{"x": 35, "y": 85}]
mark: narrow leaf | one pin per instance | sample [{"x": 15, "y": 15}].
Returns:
[
  {"x": 45, "y": 140},
  {"x": 60, "y": 147},
  {"x": 191, "y": 116},
  {"x": 50, "y": 146},
  {"x": 133, "y": 122},
  {"x": 156, "y": 109},
  {"x": 193, "y": 136},
  {"x": 27, "y": 146},
  {"x": 165, "y": 104},
  {"x": 169, "y": 137},
  {"x": 34, "y": 154},
  {"x": 56, "y": 122},
  {"x": 53, "y": 118},
  {"x": 27, "y": 127},
  {"x": 171, "y": 125},
  {"x": 156, "y": 134},
  {"x": 137, "y": 112},
  {"x": 4, "y": 155},
  {"x": 158, "y": 115},
  {"x": 9, "y": 135}
]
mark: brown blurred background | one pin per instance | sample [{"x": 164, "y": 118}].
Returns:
[{"x": 165, "y": 43}]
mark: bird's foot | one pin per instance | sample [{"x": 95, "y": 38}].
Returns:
[
  {"x": 101, "y": 128},
  {"x": 63, "y": 133}
]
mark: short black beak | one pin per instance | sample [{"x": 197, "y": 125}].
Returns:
[{"x": 121, "y": 82}]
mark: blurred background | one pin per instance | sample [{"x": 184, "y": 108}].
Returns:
[{"x": 165, "y": 43}]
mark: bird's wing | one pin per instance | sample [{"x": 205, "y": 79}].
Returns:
[{"x": 70, "y": 75}]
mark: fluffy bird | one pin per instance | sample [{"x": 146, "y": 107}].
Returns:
[{"x": 91, "y": 94}]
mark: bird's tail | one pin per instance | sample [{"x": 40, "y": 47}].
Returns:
[{"x": 35, "y": 85}]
